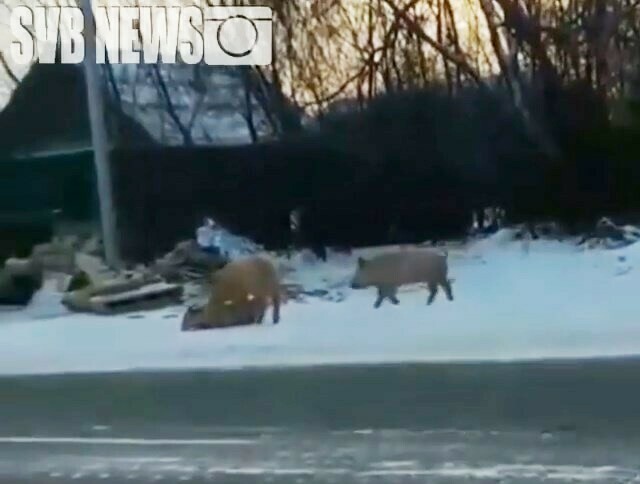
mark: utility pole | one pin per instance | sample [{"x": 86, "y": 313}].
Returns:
[{"x": 99, "y": 139}]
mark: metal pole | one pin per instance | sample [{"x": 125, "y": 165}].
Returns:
[{"x": 99, "y": 139}]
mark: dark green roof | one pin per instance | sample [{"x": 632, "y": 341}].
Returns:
[{"x": 48, "y": 112}]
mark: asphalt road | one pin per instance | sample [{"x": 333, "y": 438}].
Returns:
[{"x": 524, "y": 423}]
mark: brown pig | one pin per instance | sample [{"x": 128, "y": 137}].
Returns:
[
  {"x": 241, "y": 293},
  {"x": 387, "y": 272}
]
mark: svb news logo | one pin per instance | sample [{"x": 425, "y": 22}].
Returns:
[{"x": 133, "y": 35}]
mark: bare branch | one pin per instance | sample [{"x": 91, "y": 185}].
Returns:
[
  {"x": 171, "y": 111},
  {"x": 456, "y": 58}
]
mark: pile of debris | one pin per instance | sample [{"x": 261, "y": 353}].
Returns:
[
  {"x": 609, "y": 235},
  {"x": 19, "y": 280},
  {"x": 126, "y": 293},
  {"x": 95, "y": 288},
  {"x": 188, "y": 262},
  {"x": 214, "y": 236},
  {"x": 87, "y": 284},
  {"x": 194, "y": 260}
]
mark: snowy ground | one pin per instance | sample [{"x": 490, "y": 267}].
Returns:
[{"x": 554, "y": 301}]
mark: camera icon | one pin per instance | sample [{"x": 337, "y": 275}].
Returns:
[{"x": 238, "y": 36}]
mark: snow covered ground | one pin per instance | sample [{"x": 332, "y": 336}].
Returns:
[{"x": 552, "y": 301}]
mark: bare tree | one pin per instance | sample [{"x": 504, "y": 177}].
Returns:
[
  {"x": 248, "y": 89},
  {"x": 170, "y": 108}
]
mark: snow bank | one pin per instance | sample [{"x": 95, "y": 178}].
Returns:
[{"x": 553, "y": 301}]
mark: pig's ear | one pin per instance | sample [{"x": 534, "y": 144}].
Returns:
[{"x": 361, "y": 261}]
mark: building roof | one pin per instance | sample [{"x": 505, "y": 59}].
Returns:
[{"x": 48, "y": 113}]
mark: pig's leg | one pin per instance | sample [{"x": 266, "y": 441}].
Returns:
[
  {"x": 260, "y": 310},
  {"x": 260, "y": 315},
  {"x": 380, "y": 298},
  {"x": 392, "y": 295},
  {"x": 433, "y": 290},
  {"x": 446, "y": 285},
  {"x": 387, "y": 292},
  {"x": 275, "y": 300}
]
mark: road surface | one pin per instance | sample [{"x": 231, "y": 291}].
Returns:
[{"x": 510, "y": 423}]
